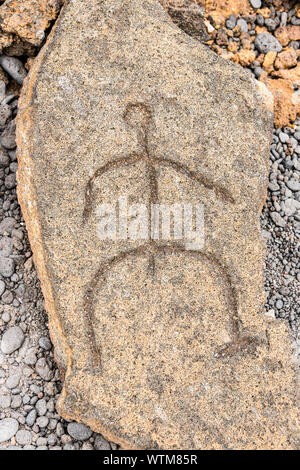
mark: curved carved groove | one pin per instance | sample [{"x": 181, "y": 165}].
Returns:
[
  {"x": 151, "y": 250},
  {"x": 122, "y": 161}
]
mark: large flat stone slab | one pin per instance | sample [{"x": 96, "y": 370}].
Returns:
[{"x": 163, "y": 346}]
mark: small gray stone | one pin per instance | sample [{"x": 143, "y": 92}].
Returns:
[
  {"x": 12, "y": 340},
  {"x": 243, "y": 25},
  {"x": 270, "y": 24},
  {"x": 101, "y": 443},
  {"x": 42, "y": 421},
  {"x": 14, "y": 68},
  {"x": 2, "y": 289},
  {"x": 10, "y": 181},
  {"x": 5, "y": 114},
  {"x": 5, "y": 401},
  {"x": 4, "y": 158},
  {"x": 279, "y": 304},
  {"x": 43, "y": 369},
  {"x": 7, "y": 266},
  {"x": 59, "y": 429},
  {"x": 2, "y": 90},
  {"x": 293, "y": 185},
  {"x": 255, "y": 3},
  {"x": 41, "y": 407},
  {"x": 79, "y": 431},
  {"x": 41, "y": 441},
  {"x": 283, "y": 137},
  {"x": 7, "y": 225},
  {"x": 290, "y": 206},
  {"x": 16, "y": 401},
  {"x": 31, "y": 417},
  {"x": 277, "y": 219},
  {"x": 8, "y": 136},
  {"x": 52, "y": 440},
  {"x": 283, "y": 18},
  {"x": 6, "y": 246},
  {"x": 7, "y": 298},
  {"x": 265, "y": 42},
  {"x": 13, "y": 381},
  {"x": 231, "y": 22},
  {"x": 23, "y": 437},
  {"x": 6, "y": 315},
  {"x": 274, "y": 187},
  {"x": 30, "y": 357},
  {"x": 45, "y": 343},
  {"x": 8, "y": 428}
]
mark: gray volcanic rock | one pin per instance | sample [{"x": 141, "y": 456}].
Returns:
[{"x": 163, "y": 345}]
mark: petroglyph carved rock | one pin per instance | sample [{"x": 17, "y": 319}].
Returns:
[{"x": 163, "y": 347}]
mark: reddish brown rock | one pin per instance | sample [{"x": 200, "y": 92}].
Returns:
[
  {"x": 28, "y": 18},
  {"x": 286, "y": 59},
  {"x": 292, "y": 75},
  {"x": 285, "y": 34},
  {"x": 245, "y": 57},
  {"x": 286, "y": 101},
  {"x": 219, "y": 10},
  {"x": 268, "y": 61}
]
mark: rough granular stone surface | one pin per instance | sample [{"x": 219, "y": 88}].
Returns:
[
  {"x": 28, "y": 18},
  {"x": 162, "y": 346}
]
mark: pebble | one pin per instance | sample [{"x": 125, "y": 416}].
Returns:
[
  {"x": 256, "y": 3},
  {"x": 293, "y": 185},
  {"x": 101, "y": 443},
  {"x": 43, "y": 369},
  {"x": 243, "y": 25},
  {"x": 6, "y": 246},
  {"x": 31, "y": 417},
  {"x": 45, "y": 343},
  {"x": 7, "y": 298},
  {"x": 277, "y": 219},
  {"x": 5, "y": 114},
  {"x": 283, "y": 137},
  {"x": 8, "y": 136},
  {"x": 13, "y": 380},
  {"x": 42, "y": 421},
  {"x": 12, "y": 340},
  {"x": 7, "y": 267},
  {"x": 16, "y": 401},
  {"x": 231, "y": 22},
  {"x": 14, "y": 68},
  {"x": 290, "y": 206},
  {"x": 7, "y": 225},
  {"x": 30, "y": 357},
  {"x": 8, "y": 429},
  {"x": 4, "y": 158},
  {"x": 23, "y": 437},
  {"x": 6, "y": 316},
  {"x": 2, "y": 289},
  {"x": 79, "y": 431},
  {"x": 265, "y": 42},
  {"x": 5, "y": 401},
  {"x": 41, "y": 407}
]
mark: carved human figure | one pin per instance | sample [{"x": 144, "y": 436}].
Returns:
[{"x": 139, "y": 116}]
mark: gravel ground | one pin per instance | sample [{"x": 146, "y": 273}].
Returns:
[{"x": 29, "y": 379}]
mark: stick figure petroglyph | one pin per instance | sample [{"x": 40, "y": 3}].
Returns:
[{"x": 139, "y": 116}]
